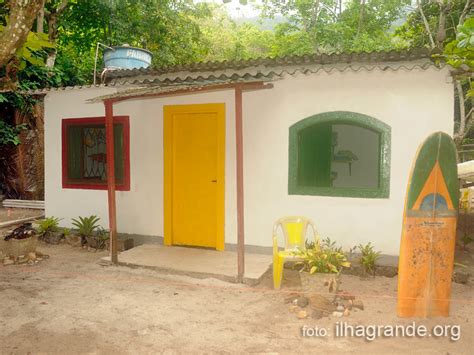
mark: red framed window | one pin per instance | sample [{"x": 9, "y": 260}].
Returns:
[{"x": 84, "y": 159}]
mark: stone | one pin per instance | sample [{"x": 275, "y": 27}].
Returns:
[
  {"x": 294, "y": 308},
  {"x": 358, "y": 304},
  {"x": 22, "y": 259},
  {"x": 291, "y": 297},
  {"x": 337, "y": 314},
  {"x": 340, "y": 308},
  {"x": 302, "y": 301},
  {"x": 346, "y": 295},
  {"x": 31, "y": 256},
  {"x": 321, "y": 303},
  {"x": 387, "y": 271},
  {"x": 461, "y": 277},
  {"x": 302, "y": 314},
  {"x": 347, "y": 313},
  {"x": 347, "y": 304}
]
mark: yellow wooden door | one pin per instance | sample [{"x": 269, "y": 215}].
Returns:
[{"x": 194, "y": 175}]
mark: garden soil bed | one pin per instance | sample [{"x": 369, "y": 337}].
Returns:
[{"x": 71, "y": 304}]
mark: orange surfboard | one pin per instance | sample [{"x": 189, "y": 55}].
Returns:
[{"x": 429, "y": 231}]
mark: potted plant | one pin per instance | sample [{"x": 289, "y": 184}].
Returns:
[
  {"x": 86, "y": 226},
  {"x": 49, "y": 231}
]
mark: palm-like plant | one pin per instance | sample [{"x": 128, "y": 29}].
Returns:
[
  {"x": 86, "y": 225},
  {"x": 368, "y": 257},
  {"x": 50, "y": 224}
]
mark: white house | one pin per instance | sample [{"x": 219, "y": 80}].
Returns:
[{"x": 330, "y": 137}]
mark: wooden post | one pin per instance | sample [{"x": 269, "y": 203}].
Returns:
[
  {"x": 109, "y": 139},
  {"x": 240, "y": 185}
]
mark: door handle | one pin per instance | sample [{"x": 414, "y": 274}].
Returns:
[{"x": 213, "y": 180}]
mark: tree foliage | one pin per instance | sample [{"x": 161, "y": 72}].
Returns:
[
  {"x": 335, "y": 25},
  {"x": 17, "y": 24},
  {"x": 168, "y": 28}
]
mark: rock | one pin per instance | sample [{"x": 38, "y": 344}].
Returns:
[
  {"x": 8, "y": 261},
  {"x": 302, "y": 301},
  {"x": 347, "y": 313},
  {"x": 387, "y": 271},
  {"x": 294, "y": 308},
  {"x": 291, "y": 297},
  {"x": 22, "y": 259},
  {"x": 302, "y": 314},
  {"x": 31, "y": 257},
  {"x": 346, "y": 295},
  {"x": 461, "y": 277},
  {"x": 340, "y": 308},
  {"x": 358, "y": 304},
  {"x": 321, "y": 303},
  {"x": 317, "y": 314},
  {"x": 347, "y": 304},
  {"x": 337, "y": 314}
]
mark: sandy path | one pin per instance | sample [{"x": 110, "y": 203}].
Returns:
[{"x": 71, "y": 304}]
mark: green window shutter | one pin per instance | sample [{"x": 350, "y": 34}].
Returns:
[
  {"x": 314, "y": 156},
  {"x": 74, "y": 149},
  {"x": 119, "y": 153}
]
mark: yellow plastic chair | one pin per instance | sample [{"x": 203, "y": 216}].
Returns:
[{"x": 295, "y": 229}]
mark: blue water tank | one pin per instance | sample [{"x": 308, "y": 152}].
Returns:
[{"x": 126, "y": 57}]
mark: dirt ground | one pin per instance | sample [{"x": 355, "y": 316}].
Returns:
[
  {"x": 71, "y": 304},
  {"x": 18, "y": 213}
]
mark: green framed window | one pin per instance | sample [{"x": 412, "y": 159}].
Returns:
[{"x": 339, "y": 153}]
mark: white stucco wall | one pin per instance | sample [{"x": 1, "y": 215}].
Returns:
[
  {"x": 140, "y": 210},
  {"x": 414, "y": 103}
]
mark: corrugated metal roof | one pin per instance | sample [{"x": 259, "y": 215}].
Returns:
[
  {"x": 263, "y": 69},
  {"x": 390, "y": 60}
]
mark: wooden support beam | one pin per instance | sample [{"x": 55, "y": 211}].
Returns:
[
  {"x": 109, "y": 139},
  {"x": 118, "y": 97},
  {"x": 240, "y": 185}
]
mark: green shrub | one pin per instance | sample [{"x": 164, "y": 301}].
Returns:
[
  {"x": 102, "y": 234},
  {"x": 324, "y": 258},
  {"x": 368, "y": 257},
  {"x": 86, "y": 225},
  {"x": 47, "y": 225}
]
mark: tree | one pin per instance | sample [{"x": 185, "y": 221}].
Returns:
[
  {"x": 436, "y": 24},
  {"x": 459, "y": 53},
  {"x": 14, "y": 34},
  {"x": 227, "y": 40},
  {"x": 334, "y": 25}
]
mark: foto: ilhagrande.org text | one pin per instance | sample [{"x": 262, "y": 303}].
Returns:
[{"x": 372, "y": 332}]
